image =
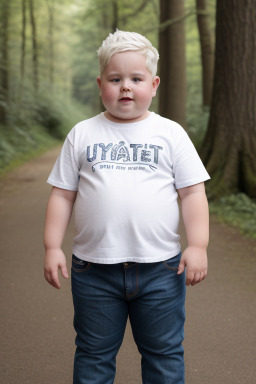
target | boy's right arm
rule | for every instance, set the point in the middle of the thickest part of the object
(58, 213)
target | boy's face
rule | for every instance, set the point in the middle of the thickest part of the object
(127, 87)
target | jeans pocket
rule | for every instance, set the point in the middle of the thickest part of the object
(79, 265)
(173, 263)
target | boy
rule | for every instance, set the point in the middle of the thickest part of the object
(125, 168)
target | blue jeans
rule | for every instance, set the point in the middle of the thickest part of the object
(152, 295)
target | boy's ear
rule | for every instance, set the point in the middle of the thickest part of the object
(155, 85)
(99, 81)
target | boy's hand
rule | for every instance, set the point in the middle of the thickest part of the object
(195, 259)
(53, 261)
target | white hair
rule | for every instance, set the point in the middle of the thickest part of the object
(122, 41)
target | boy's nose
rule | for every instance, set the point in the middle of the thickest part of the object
(125, 87)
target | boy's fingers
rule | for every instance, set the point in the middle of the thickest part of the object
(47, 276)
(189, 278)
(55, 279)
(196, 279)
(51, 274)
(64, 271)
(181, 268)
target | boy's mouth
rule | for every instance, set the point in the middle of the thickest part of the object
(125, 99)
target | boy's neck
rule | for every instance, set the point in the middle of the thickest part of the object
(126, 121)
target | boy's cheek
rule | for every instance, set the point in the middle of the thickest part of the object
(107, 95)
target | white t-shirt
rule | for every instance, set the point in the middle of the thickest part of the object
(126, 176)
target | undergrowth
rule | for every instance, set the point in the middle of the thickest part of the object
(18, 146)
(35, 126)
(237, 210)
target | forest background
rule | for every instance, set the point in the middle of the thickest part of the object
(49, 65)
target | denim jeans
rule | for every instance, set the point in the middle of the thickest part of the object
(152, 295)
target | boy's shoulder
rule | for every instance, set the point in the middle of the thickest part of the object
(172, 126)
(83, 126)
(90, 121)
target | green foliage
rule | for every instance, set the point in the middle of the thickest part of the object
(39, 128)
(56, 114)
(237, 210)
(17, 145)
(36, 116)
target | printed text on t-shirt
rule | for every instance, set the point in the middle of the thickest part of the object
(131, 156)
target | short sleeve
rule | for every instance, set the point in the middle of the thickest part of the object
(65, 173)
(188, 167)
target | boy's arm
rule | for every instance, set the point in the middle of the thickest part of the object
(195, 214)
(58, 213)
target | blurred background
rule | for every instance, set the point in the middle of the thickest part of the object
(48, 69)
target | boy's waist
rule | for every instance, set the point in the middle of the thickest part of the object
(128, 257)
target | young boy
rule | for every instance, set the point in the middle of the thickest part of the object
(125, 168)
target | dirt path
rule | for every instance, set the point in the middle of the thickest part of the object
(37, 338)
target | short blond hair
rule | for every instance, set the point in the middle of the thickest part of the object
(122, 41)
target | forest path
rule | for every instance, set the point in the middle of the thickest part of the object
(37, 337)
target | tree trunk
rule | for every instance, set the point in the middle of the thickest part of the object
(23, 40)
(229, 149)
(22, 55)
(4, 67)
(207, 51)
(34, 45)
(115, 16)
(133, 12)
(50, 5)
(172, 64)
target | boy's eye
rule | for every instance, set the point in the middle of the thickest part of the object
(115, 80)
(136, 79)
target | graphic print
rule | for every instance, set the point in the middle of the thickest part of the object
(123, 156)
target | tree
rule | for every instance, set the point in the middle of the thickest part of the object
(50, 6)
(115, 16)
(229, 148)
(172, 64)
(34, 44)
(207, 51)
(4, 67)
(23, 39)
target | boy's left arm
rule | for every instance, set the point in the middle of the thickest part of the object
(195, 214)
